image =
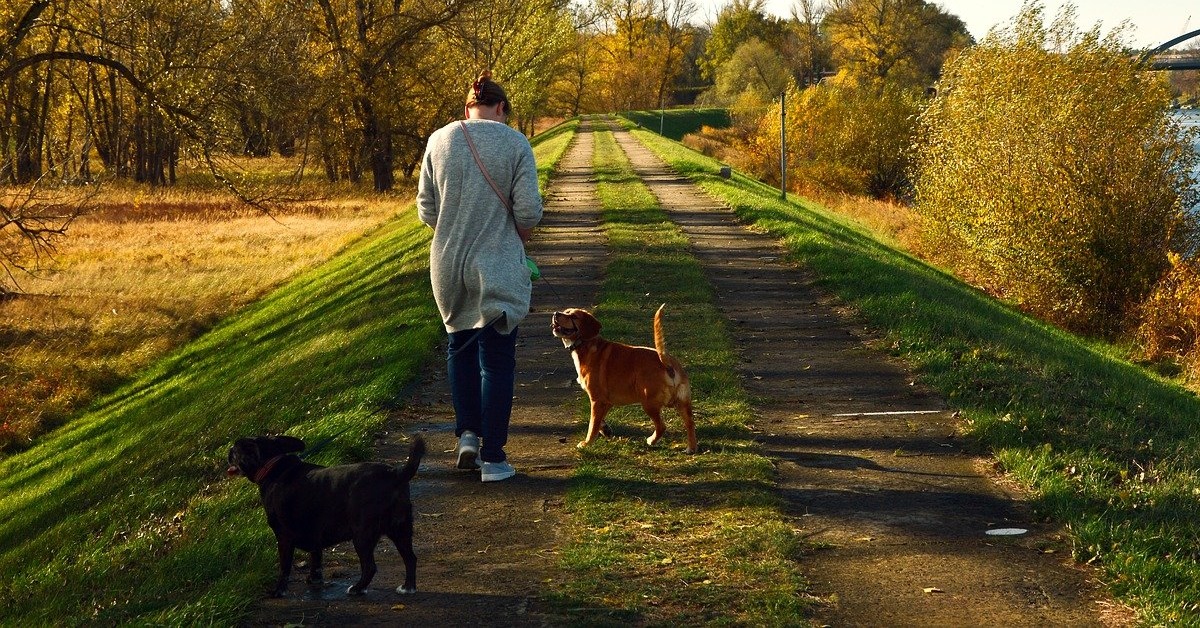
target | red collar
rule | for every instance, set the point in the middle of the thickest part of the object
(266, 468)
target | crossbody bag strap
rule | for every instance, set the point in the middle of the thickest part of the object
(534, 273)
(479, 162)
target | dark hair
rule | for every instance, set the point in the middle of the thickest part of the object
(484, 91)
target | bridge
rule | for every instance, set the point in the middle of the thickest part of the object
(1162, 58)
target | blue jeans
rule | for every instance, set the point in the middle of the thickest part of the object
(482, 374)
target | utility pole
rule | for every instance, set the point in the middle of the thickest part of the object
(783, 145)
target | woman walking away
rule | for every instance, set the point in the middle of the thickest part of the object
(479, 192)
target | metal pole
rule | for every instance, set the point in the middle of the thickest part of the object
(783, 145)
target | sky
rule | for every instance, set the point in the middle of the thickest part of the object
(1155, 21)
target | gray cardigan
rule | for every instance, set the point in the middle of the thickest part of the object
(477, 260)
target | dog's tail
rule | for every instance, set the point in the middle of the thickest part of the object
(660, 343)
(416, 451)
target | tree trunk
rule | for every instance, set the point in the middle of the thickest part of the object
(377, 146)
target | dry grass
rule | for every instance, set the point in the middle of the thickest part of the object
(141, 274)
(892, 222)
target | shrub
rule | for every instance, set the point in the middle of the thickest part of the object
(846, 137)
(1170, 320)
(1055, 175)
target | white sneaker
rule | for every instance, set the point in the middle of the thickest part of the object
(496, 471)
(467, 452)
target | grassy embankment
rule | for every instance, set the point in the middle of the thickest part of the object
(676, 123)
(124, 514)
(656, 535)
(1109, 449)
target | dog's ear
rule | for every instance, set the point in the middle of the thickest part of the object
(287, 444)
(589, 326)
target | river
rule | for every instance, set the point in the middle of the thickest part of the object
(1190, 119)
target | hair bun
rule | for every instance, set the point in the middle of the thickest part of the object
(486, 91)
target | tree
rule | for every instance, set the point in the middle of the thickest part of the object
(752, 77)
(131, 80)
(738, 22)
(901, 41)
(573, 83)
(364, 42)
(522, 42)
(1051, 172)
(643, 44)
(807, 45)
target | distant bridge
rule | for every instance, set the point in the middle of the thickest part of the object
(1161, 58)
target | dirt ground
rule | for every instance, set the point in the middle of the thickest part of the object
(875, 477)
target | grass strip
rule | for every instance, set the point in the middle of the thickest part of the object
(124, 516)
(659, 536)
(1109, 449)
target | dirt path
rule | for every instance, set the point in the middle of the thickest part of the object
(895, 504)
(869, 462)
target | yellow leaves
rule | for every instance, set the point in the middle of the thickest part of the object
(1060, 174)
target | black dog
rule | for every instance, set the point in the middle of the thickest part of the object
(311, 507)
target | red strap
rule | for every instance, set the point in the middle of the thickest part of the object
(266, 469)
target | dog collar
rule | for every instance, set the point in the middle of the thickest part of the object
(578, 344)
(267, 468)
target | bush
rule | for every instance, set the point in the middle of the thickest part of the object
(738, 145)
(1170, 321)
(1056, 177)
(848, 138)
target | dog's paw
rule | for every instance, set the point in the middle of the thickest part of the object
(652, 439)
(582, 444)
(356, 590)
(405, 589)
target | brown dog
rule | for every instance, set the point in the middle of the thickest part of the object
(615, 374)
(311, 507)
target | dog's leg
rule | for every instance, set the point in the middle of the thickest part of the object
(596, 426)
(366, 562)
(660, 428)
(685, 412)
(402, 535)
(316, 571)
(286, 554)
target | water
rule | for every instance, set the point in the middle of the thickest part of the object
(1190, 120)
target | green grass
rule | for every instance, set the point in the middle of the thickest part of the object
(125, 516)
(549, 146)
(1110, 450)
(656, 535)
(675, 123)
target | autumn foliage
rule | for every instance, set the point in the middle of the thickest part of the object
(1050, 172)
